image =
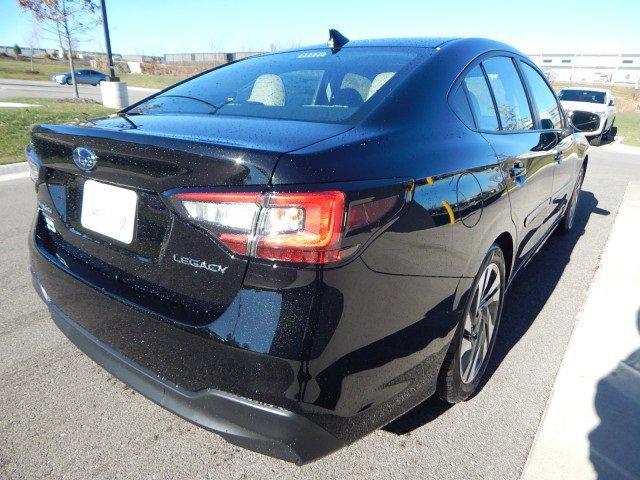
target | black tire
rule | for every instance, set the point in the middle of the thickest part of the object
(452, 387)
(69, 82)
(568, 218)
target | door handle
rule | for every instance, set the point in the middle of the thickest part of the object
(518, 173)
(518, 170)
(557, 156)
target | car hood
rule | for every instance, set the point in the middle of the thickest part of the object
(583, 106)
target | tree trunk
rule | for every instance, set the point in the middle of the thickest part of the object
(67, 37)
(73, 73)
(31, 59)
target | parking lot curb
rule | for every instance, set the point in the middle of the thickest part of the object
(591, 423)
(14, 168)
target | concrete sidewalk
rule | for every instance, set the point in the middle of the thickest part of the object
(591, 428)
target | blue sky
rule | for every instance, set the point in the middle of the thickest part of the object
(156, 26)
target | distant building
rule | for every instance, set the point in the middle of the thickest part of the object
(621, 68)
(26, 51)
(211, 58)
(142, 58)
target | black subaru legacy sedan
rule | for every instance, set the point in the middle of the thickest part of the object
(295, 249)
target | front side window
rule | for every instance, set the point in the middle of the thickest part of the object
(509, 93)
(480, 100)
(312, 85)
(543, 98)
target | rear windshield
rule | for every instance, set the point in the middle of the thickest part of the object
(582, 96)
(312, 85)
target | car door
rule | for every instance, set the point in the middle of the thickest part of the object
(80, 77)
(547, 109)
(93, 76)
(502, 109)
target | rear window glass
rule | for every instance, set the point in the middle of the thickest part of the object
(312, 85)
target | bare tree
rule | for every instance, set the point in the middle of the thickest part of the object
(67, 20)
(33, 39)
(217, 45)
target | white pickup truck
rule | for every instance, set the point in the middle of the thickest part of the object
(591, 110)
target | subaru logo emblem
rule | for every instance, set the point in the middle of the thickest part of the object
(85, 158)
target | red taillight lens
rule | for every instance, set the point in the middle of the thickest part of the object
(301, 227)
(367, 213)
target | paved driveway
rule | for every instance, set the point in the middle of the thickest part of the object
(63, 416)
(50, 89)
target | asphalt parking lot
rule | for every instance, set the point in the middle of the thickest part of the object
(62, 416)
(50, 89)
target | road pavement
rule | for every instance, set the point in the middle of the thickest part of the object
(50, 89)
(63, 416)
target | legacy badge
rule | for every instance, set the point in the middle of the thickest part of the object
(192, 262)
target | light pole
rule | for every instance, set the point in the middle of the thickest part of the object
(114, 92)
(105, 25)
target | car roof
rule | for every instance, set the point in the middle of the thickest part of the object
(415, 42)
(423, 42)
(472, 44)
(587, 89)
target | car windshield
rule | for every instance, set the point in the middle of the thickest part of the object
(582, 96)
(311, 85)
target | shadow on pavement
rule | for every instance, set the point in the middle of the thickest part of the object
(615, 442)
(523, 303)
(522, 306)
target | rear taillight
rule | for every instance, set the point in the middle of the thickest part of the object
(33, 162)
(230, 216)
(298, 227)
(301, 227)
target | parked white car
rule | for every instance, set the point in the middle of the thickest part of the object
(592, 111)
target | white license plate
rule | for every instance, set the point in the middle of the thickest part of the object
(109, 210)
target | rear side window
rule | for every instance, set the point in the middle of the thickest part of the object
(480, 99)
(543, 97)
(509, 93)
(460, 104)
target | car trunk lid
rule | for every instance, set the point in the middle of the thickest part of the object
(170, 266)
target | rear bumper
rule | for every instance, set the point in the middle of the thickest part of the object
(263, 428)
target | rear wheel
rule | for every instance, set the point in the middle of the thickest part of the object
(566, 224)
(470, 350)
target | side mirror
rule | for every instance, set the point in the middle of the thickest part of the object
(546, 124)
(611, 104)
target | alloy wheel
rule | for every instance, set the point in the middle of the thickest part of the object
(480, 323)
